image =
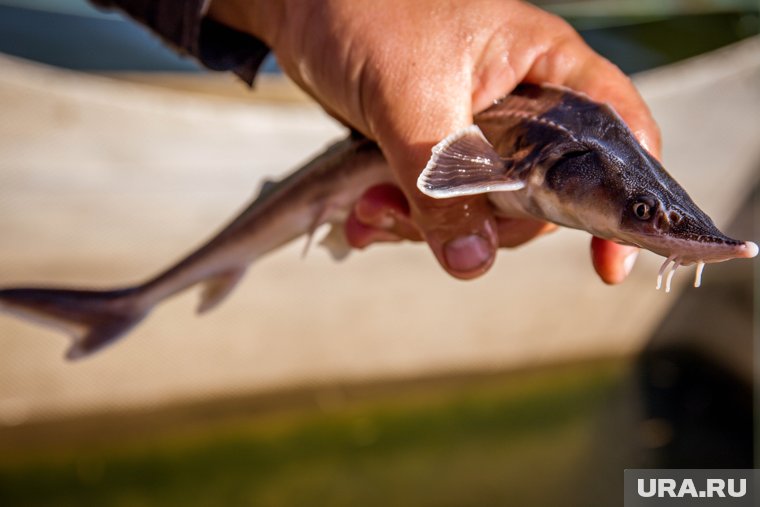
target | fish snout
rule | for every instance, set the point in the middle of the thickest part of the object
(690, 237)
(747, 250)
(693, 237)
(709, 248)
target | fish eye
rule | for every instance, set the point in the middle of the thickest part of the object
(642, 210)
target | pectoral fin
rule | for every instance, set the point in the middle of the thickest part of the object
(465, 163)
(336, 242)
(217, 288)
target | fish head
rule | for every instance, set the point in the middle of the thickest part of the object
(613, 187)
(658, 214)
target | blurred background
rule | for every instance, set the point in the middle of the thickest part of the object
(377, 381)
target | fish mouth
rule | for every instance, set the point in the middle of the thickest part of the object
(702, 248)
(700, 251)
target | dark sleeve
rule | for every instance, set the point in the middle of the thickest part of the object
(182, 24)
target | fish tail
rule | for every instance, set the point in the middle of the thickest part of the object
(93, 319)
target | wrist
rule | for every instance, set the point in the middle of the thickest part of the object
(260, 18)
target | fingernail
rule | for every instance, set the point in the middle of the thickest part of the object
(629, 261)
(467, 253)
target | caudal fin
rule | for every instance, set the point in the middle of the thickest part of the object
(93, 319)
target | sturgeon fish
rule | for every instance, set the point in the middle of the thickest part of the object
(541, 152)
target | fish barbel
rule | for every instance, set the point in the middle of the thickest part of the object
(542, 152)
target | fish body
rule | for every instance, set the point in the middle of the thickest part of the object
(541, 152)
(320, 192)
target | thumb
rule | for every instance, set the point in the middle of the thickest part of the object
(461, 232)
(407, 121)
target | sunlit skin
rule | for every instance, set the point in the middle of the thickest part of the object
(407, 74)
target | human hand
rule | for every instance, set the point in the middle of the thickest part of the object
(407, 74)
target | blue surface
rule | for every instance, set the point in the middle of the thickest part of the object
(85, 43)
(72, 34)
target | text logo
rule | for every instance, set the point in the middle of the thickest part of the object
(670, 488)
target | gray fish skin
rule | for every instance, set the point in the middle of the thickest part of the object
(321, 192)
(543, 152)
(602, 164)
(550, 153)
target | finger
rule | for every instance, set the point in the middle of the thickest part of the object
(361, 236)
(461, 232)
(385, 207)
(612, 262)
(369, 223)
(514, 232)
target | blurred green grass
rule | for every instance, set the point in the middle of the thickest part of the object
(642, 43)
(510, 439)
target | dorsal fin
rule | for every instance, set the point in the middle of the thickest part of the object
(465, 163)
(267, 185)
